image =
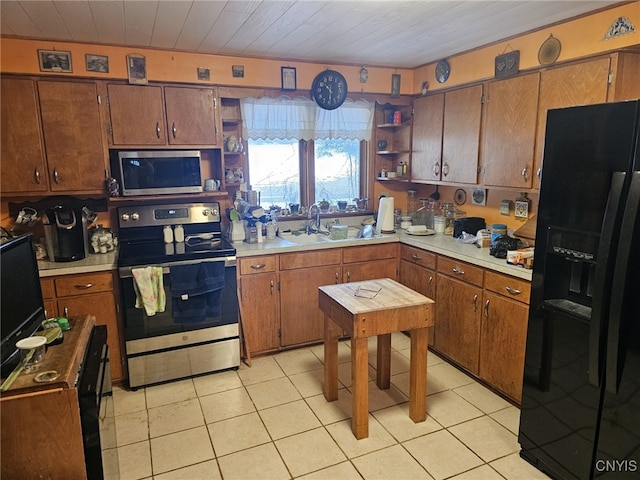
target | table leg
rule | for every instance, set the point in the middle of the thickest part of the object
(331, 334)
(360, 388)
(418, 375)
(383, 363)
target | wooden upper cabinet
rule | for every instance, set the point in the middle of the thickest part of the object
(509, 131)
(156, 115)
(461, 137)
(76, 151)
(428, 119)
(191, 118)
(582, 83)
(137, 115)
(23, 161)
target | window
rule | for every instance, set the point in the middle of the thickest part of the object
(299, 153)
(275, 171)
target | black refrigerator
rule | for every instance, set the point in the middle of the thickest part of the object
(580, 414)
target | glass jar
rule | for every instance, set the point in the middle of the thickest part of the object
(448, 212)
(412, 203)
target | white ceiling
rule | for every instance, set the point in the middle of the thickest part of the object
(384, 33)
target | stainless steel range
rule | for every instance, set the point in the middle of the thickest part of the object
(179, 301)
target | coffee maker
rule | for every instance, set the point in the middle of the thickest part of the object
(65, 231)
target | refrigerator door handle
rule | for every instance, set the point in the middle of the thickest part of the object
(615, 353)
(602, 281)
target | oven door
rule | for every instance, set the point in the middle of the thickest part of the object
(138, 325)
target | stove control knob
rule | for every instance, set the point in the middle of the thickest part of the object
(206, 212)
(135, 216)
(125, 217)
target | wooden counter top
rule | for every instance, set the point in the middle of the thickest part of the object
(65, 358)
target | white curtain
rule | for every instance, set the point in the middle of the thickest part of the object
(285, 118)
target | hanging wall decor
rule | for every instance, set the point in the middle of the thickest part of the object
(237, 71)
(137, 69)
(97, 63)
(507, 64)
(549, 51)
(621, 26)
(55, 61)
(395, 85)
(204, 74)
(288, 78)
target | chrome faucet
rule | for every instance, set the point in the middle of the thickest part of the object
(314, 225)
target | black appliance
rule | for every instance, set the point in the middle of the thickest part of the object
(65, 230)
(182, 339)
(581, 395)
(21, 306)
(471, 225)
(96, 409)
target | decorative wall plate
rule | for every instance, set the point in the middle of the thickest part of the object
(460, 197)
(479, 196)
(549, 51)
(443, 69)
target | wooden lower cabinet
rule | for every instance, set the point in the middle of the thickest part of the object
(301, 319)
(417, 271)
(279, 293)
(504, 333)
(88, 294)
(457, 323)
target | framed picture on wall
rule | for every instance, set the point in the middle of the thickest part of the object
(55, 61)
(97, 63)
(137, 69)
(288, 77)
(395, 85)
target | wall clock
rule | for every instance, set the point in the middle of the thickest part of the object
(443, 69)
(329, 89)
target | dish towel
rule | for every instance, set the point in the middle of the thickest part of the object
(149, 287)
(196, 291)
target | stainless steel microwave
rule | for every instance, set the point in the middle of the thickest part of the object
(160, 172)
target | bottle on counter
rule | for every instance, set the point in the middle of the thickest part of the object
(412, 202)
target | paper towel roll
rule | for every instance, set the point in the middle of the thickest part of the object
(384, 223)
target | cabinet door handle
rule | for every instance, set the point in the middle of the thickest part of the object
(525, 172)
(457, 272)
(56, 177)
(271, 287)
(174, 129)
(337, 278)
(348, 277)
(486, 309)
(416, 257)
(430, 280)
(83, 286)
(65, 310)
(258, 266)
(475, 303)
(36, 175)
(513, 291)
(436, 169)
(158, 129)
(445, 169)
(539, 172)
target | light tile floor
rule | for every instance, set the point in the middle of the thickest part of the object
(271, 421)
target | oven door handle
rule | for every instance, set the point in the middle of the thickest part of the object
(125, 272)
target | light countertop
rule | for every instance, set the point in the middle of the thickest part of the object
(438, 243)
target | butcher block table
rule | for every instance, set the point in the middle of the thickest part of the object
(375, 307)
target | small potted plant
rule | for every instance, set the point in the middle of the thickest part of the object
(324, 205)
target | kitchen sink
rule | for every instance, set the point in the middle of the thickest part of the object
(307, 238)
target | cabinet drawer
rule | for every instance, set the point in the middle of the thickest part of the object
(48, 289)
(418, 256)
(72, 285)
(369, 252)
(461, 270)
(315, 258)
(262, 264)
(511, 287)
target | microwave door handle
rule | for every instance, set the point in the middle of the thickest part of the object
(158, 129)
(619, 294)
(602, 281)
(174, 130)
